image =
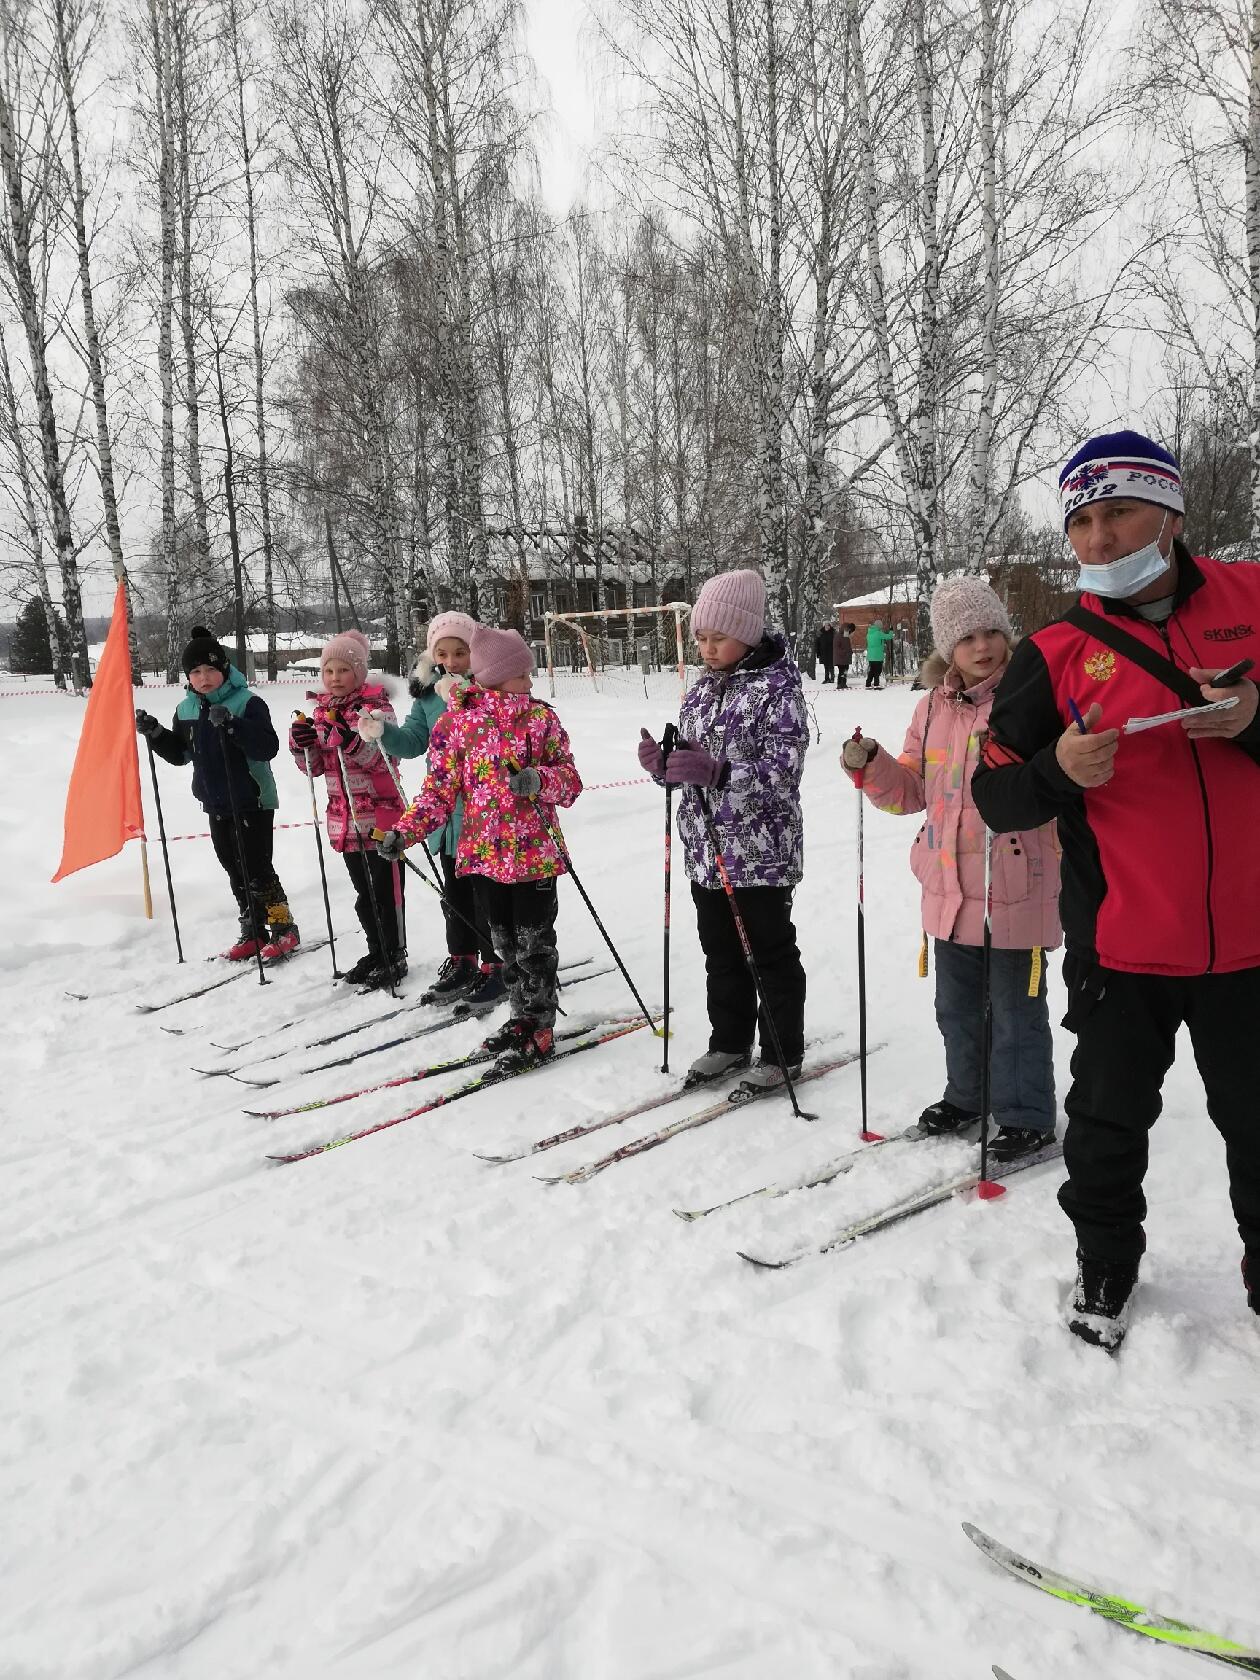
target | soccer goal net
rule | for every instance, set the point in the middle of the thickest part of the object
(624, 650)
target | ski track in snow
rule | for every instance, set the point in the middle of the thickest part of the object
(393, 1412)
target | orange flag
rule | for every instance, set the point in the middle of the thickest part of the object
(103, 807)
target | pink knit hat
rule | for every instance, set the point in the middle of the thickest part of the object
(962, 605)
(351, 647)
(449, 624)
(498, 655)
(732, 604)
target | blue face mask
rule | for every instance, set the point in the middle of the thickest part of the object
(1124, 578)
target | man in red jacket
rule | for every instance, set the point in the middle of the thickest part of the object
(1161, 890)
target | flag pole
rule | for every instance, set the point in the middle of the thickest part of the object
(144, 875)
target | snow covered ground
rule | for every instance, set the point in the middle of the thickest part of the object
(393, 1412)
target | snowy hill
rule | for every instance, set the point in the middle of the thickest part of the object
(395, 1413)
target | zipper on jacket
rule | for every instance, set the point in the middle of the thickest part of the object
(1207, 823)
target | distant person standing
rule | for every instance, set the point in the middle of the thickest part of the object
(842, 652)
(824, 648)
(878, 642)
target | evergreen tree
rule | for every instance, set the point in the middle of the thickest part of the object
(30, 649)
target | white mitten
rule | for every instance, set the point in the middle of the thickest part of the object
(445, 686)
(371, 726)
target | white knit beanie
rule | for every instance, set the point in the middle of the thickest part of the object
(960, 607)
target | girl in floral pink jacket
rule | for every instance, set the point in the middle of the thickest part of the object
(972, 633)
(361, 797)
(507, 755)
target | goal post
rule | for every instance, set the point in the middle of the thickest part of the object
(578, 622)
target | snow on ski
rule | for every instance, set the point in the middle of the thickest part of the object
(239, 972)
(451, 1020)
(661, 1100)
(825, 1175)
(434, 1070)
(919, 1202)
(727, 1105)
(1119, 1610)
(484, 1081)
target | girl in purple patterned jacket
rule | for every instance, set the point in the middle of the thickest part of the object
(741, 749)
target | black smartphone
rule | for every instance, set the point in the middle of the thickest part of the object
(1235, 674)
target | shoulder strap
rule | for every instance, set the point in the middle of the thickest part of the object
(1122, 642)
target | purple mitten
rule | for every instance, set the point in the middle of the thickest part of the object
(694, 766)
(650, 755)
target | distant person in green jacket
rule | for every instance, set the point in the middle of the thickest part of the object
(472, 971)
(878, 642)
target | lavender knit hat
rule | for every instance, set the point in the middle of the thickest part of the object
(498, 655)
(351, 647)
(732, 604)
(961, 606)
(449, 624)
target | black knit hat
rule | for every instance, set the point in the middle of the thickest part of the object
(204, 649)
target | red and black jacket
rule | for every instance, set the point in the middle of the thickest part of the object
(1160, 869)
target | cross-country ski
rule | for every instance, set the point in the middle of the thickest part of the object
(1136, 1617)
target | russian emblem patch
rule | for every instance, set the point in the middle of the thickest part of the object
(1100, 666)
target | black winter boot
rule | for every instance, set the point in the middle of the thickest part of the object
(1013, 1142)
(940, 1118)
(1251, 1280)
(1099, 1309)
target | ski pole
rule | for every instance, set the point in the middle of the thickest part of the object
(669, 740)
(319, 850)
(859, 777)
(986, 1188)
(240, 855)
(166, 856)
(749, 959)
(368, 882)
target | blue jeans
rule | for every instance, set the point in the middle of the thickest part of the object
(1021, 1068)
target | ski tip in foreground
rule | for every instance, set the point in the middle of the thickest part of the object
(1000, 1673)
(761, 1263)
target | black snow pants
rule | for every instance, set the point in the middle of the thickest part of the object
(260, 884)
(373, 878)
(732, 997)
(1126, 1027)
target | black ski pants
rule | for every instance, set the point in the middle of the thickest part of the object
(257, 841)
(373, 879)
(829, 668)
(1126, 1028)
(521, 916)
(732, 996)
(874, 671)
(466, 932)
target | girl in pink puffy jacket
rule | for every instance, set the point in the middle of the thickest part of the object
(361, 797)
(972, 633)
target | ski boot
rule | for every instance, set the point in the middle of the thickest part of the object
(485, 994)
(283, 941)
(939, 1119)
(358, 973)
(386, 972)
(715, 1064)
(1012, 1143)
(456, 976)
(1099, 1309)
(246, 945)
(533, 1046)
(764, 1078)
(508, 1036)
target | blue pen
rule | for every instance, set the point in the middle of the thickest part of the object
(1077, 719)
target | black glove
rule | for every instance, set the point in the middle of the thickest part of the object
(525, 783)
(148, 726)
(391, 846)
(220, 717)
(303, 735)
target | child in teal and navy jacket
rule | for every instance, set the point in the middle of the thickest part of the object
(225, 730)
(472, 970)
